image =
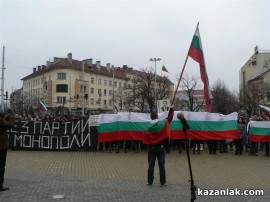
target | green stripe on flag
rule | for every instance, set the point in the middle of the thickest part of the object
(259, 131)
(175, 125)
(196, 43)
(122, 125)
(206, 125)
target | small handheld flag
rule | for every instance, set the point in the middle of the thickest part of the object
(42, 107)
(265, 109)
(164, 69)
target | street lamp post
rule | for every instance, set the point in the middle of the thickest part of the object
(113, 89)
(155, 60)
(83, 93)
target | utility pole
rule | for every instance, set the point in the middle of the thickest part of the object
(113, 89)
(3, 79)
(83, 93)
(155, 60)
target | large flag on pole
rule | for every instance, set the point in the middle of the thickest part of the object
(42, 107)
(196, 53)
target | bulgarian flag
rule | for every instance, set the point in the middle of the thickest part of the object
(42, 107)
(259, 131)
(164, 69)
(265, 109)
(134, 126)
(157, 131)
(206, 126)
(196, 53)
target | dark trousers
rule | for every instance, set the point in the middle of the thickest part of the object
(222, 146)
(253, 148)
(159, 153)
(238, 146)
(212, 145)
(136, 145)
(3, 157)
(267, 148)
(182, 145)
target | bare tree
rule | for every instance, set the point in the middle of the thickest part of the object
(253, 95)
(189, 84)
(224, 101)
(142, 90)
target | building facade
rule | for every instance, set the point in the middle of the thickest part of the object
(78, 85)
(258, 63)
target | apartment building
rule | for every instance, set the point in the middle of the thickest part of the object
(257, 64)
(78, 85)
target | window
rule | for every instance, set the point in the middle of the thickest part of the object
(110, 83)
(92, 101)
(105, 103)
(99, 91)
(115, 84)
(110, 102)
(61, 88)
(83, 88)
(99, 101)
(120, 84)
(61, 100)
(61, 75)
(92, 80)
(105, 92)
(105, 82)
(125, 85)
(99, 81)
(110, 92)
(92, 91)
(43, 80)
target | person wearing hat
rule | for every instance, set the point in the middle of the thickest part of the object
(6, 122)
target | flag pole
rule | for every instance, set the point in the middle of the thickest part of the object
(183, 69)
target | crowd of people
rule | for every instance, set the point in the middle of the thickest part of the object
(196, 146)
(238, 146)
(156, 141)
(214, 146)
(47, 117)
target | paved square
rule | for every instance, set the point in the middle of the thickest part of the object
(103, 176)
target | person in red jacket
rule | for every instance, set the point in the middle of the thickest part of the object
(157, 138)
(6, 122)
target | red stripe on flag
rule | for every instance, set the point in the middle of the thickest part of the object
(120, 135)
(259, 138)
(196, 54)
(205, 135)
(175, 135)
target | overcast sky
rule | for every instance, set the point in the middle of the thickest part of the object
(132, 32)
